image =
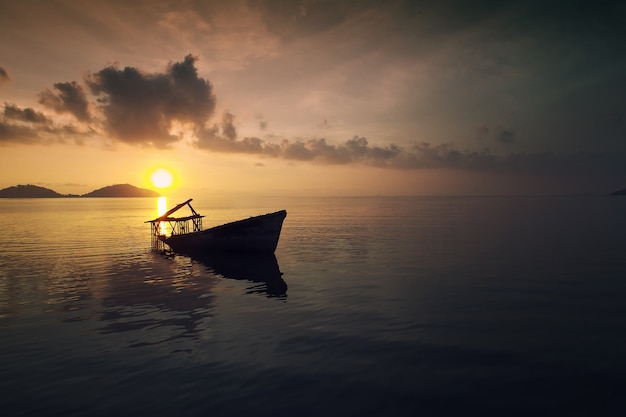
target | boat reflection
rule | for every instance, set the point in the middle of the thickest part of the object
(258, 268)
(150, 300)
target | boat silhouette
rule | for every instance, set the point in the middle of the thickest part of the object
(257, 234)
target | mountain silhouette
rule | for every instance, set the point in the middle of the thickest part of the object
(28, 191)
(118, 190)
(122, 190)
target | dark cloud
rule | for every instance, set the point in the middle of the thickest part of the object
(30, 134)
(228, 126)
(418, 156)
(425, 155)
(28, 115)
(134, 107)
(355, 150)
(315, 149)
(262, 122)
(223, 138)
(4, 76)
(68, 98)
(499, 135)
(10, 133)
(29, 127)
(139, 108)
(505, 136)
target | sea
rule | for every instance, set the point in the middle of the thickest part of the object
(371, 306)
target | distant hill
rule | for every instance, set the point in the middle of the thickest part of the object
(620, 192)
(28, 191)
(122, 190)
(118, 190)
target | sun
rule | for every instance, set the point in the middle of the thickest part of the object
(162, 178)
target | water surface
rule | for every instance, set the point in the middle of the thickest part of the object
(385, 306)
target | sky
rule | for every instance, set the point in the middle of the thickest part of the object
(315, 97)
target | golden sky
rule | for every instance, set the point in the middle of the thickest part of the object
(315, 97)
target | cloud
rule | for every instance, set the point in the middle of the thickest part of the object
(126, 104)
(139, 108)
(10, 133)
(418, 156)
(500, 135)
(222, 137)
(357, 150)
(262, 122)
(27, 126)
(4, 76)
(69, 98)
(28, 115)
(142, 108)
(505, 136)
(228, 126)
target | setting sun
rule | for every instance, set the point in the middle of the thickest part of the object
(161, 178)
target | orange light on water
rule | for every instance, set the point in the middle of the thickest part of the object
(161, 209)
(161, 205)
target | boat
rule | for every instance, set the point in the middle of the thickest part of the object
(258, 234)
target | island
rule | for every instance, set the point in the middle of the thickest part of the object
(28, 191)
(122, 190)
(620, 192)
(118, 190)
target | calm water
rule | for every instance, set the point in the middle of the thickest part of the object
(386, 306)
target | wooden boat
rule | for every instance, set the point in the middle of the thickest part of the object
(257, 234)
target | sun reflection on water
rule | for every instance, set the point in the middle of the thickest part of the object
(161, 209)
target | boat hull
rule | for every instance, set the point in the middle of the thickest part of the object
(258, 234)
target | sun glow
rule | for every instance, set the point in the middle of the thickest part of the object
(162, 178)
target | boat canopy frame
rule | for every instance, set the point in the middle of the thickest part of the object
(178, 225)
